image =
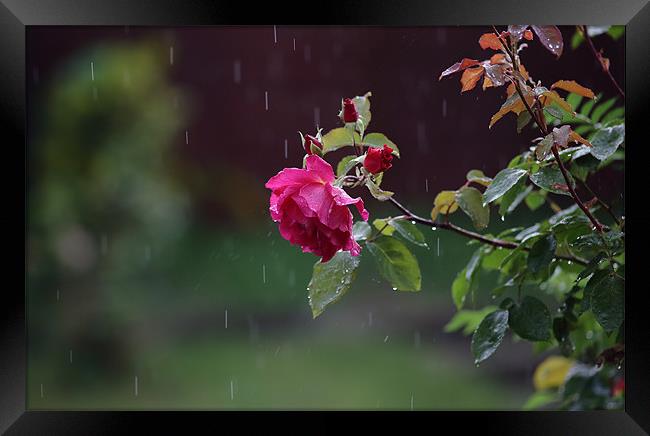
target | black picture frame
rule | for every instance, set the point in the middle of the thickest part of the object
(16, 16)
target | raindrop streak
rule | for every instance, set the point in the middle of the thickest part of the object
(411, 402)
(171, 55)
(294, 44)
(437, 245)
(41, 390)
(225, 318)
(277, 350)
(275, 35)
(369, 319)
(286, 148)
(266, 100)
(70, 356)
(187, 137)
(232, 390)
(136, 385)
(263, 273)
(386, 339)
(92, 71)
(426, 185)
(317, 116)
(236, 71)
(444, 108)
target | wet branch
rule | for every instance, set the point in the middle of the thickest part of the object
(601, 61)
(500, 243)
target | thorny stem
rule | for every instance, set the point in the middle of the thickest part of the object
(599, 58)
(500, 243)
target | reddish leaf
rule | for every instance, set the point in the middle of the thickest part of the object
(470, 77)
(560, 187)
(573, 86)
(561, 135)
(498, 58)
(528, 35)
(577, 138)
(490, 40)
(517, 30)
(459, 66)
(551, 38)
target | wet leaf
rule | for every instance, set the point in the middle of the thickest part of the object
(607, 302)
(550, 178)
(561, 135)
(477, 176)
(544, 147)
(551, 38)
(489, 335)
(409, 231)
(377, 192)
(444, 203)
(339, 137)
(517, 30)
(552, 372)
(574, 87)
(467, 320)
(396, 263)
(361, 231)
(378, 140)
(470, 201)
(459, 66)
(470, 78)
(512, 104)
(541, 254)
(384, 226)
(606, 140)
(531, 319)
(347, 163)
(501, 183)
(331, 280)
(514, 197)
(490, 40)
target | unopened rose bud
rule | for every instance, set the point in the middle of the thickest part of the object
(311, 144)
(378, 159)
(350, 114)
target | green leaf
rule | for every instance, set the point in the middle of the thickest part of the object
(591, 266)
(606, 140)
(514, 197)
(396, 263)
(503, 181)
(384, 226)
(531, 319)
(361, 231)
(477, 176)
(489, 335)
(377, 192)
(470, 201)
(347, 163)
(607, 302)
(550, 179)
(460, 289)
(468, 320)
(338, 138)
(540, 399)
(600, 110)
(535, 199)
(544, 147)
(541, 254)
(522, 120)
(378, 140)
(331, 280)
(409, 231)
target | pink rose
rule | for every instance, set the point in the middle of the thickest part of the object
(312, 213)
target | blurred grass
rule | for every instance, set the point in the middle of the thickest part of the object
(301, 374)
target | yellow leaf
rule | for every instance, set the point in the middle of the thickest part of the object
(434, 213)
(577, 138)
(551, 372)
(573, 86)
(555, 97)
(445, 203)
(487, 83)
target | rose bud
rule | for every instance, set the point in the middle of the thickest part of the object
(311, 212)
(350, 114)
(378, 159)
(312, 143)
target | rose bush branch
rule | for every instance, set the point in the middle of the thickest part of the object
(602, 61)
